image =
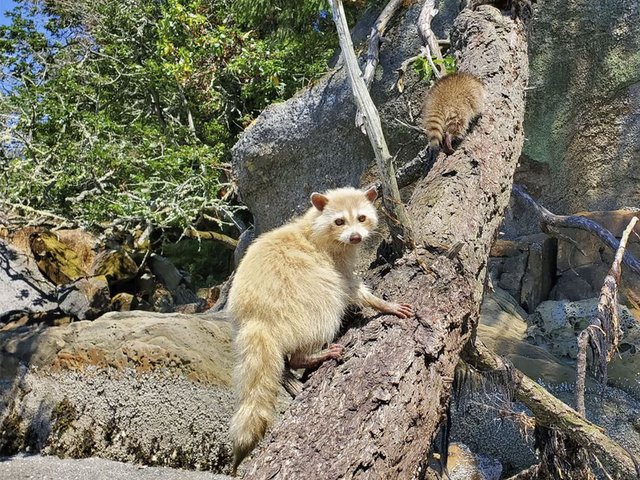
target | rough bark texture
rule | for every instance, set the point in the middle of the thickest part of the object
(374, 415)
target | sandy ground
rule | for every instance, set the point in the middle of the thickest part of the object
(37, 467)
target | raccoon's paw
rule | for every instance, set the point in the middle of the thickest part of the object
(401, 310)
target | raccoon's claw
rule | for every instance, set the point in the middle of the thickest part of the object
(334, 351)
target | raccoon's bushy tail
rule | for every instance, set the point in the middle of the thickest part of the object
(257, 376)
(434, 125)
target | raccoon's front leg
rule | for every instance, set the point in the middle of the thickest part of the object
(400, 310)
(306, 360)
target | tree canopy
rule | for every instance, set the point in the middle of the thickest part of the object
(129, 109)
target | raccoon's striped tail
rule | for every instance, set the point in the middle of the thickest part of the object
(257, 378)
(434, 126)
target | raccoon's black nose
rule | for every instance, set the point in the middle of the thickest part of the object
(355, 238)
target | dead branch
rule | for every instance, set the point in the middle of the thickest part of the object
(551, 413)
(396, 216)
(548, 219)
(604, 332)
(373, 52)
(430, 45)
(229, 242)
(429, 40)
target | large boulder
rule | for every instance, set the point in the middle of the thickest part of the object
(134, 386)
(310, 142)
(581, 124)
(23, 289)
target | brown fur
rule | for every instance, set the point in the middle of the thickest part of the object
(450, 106)
(288, 298)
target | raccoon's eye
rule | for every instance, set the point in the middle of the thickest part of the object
(339, 221)
(362, 218)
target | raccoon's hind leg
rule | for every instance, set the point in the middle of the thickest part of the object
(306, 360)
(446, 144)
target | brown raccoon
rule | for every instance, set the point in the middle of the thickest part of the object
(451, 104)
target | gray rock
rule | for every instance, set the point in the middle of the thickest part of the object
(133, 386)
(166, 271)
(23, 289)
(513, 270)
(175, 282)
(556, 324)
(573, 286)
(310, 142)
(86, 298)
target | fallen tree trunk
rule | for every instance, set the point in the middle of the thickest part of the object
(552, 413)
(375, 414)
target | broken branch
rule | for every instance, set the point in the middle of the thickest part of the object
(429, 40)
(229, 242)
(604, 331)
(575, 221)
(397, 219)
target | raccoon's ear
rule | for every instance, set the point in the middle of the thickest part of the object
(319, 201)
(371, 193)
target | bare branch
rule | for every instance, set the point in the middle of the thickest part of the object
(574, 221)
(373, 52)
(604, 332)
(229, 242)
(396, 217)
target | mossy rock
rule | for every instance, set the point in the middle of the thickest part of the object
(56, 261)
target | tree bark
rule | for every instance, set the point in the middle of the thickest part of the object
(375, 413)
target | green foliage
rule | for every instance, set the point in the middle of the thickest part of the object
(424, 70)
(129, 109)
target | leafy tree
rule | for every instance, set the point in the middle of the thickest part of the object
(128, 109)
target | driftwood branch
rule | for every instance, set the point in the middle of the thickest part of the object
(375, 413)
(373, 52)
(548, 219)
(604, 332)
(429, 40)
(396, 217)
(430, 45)
(229, 242)
(551, 413)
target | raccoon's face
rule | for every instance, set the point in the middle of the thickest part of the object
(348, 215)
